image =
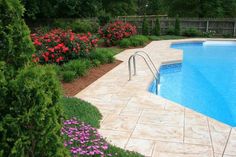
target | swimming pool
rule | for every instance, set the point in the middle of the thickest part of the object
(205, 81)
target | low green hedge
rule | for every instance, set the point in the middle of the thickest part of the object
(133, 41)
(68, 76)
(125, 43)
(77, 25)
(102, 55)
(80, 67)
(191, 32)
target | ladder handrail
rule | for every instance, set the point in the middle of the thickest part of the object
(144, 52)
(157, 77)
(147, 64)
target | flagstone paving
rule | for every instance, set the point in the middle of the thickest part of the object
(137, 120)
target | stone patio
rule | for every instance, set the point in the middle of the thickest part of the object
(137, 120)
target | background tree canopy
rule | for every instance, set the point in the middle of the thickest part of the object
(91, 8)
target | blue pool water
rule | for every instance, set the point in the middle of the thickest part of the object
(205, 81)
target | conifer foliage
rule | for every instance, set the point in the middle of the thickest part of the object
(177, 26)
(29, 112)
(15, 43)
(145, 28)
(157, 28)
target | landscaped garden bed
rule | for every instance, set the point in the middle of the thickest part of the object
(74, 87)
(80, 131)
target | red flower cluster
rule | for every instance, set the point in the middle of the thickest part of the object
(59, 46)
(116, 31)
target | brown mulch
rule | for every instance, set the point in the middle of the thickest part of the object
(71, 89)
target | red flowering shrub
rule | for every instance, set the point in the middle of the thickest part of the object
(116, 31)
(59, 46)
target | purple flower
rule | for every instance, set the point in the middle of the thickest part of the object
(83, 139)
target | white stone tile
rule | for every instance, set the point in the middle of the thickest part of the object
(142, 146)
(157, 132)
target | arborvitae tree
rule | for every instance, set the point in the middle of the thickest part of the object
(157, 28)
(145, 28)
(177, 26)
(30, 118)
(15, 44)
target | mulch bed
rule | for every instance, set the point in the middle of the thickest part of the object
(71, 89)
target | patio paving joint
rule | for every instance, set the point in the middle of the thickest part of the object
(210, 137)
(184, 125)
(227, 142)
(133, 130)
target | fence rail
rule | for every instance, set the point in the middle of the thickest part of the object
(222, 26)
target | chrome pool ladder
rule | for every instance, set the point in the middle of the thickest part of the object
(149, 63)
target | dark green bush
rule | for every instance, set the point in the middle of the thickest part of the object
(77, 25)
(42, 29)
(68, 76)
(30, 119)
(145, 28)
(104, 18)
(209, 34)
(228, 35)
(84, 26)
(157, 28)
(125, 43)
(138, 40)
(102, 55)
(80, 67)
(177, 26)
(133, 41)
(170, 31)
(191, 32)
(96, 62)
(60, 23)
(15, 43)
(30, 116)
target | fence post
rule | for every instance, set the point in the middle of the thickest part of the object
(234, 34)
(207, 26)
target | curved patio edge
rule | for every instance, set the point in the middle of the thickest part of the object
(137, 120)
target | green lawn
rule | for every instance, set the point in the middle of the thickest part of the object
(86, 112)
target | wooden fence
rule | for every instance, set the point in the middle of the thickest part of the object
(220, 26)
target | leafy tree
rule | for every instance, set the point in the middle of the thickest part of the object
(156, 7)
(30, 118)
(142, 7)
(200, 8)
(229, 8)
(91, 8)
(120, 7)
(40, 8)
(182, 8)
(67, 8)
